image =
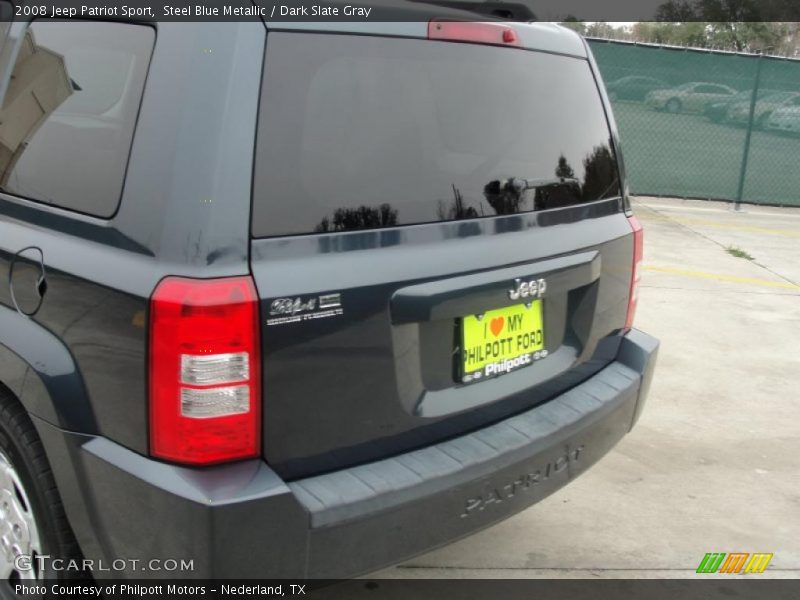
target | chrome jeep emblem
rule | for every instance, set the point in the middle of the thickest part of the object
(527, 289)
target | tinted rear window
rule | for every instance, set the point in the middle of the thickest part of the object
(361, 132)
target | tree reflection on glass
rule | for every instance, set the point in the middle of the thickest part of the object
(456, 210)
(601, 177)
(354, 219)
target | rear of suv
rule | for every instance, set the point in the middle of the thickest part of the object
(304, 300)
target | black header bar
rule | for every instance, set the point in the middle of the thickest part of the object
(398, 10)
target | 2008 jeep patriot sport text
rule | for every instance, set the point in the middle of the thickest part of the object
(310, 303)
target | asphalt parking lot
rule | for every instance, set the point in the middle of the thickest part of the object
(714, 463)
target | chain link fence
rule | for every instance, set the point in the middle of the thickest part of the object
(705, 124)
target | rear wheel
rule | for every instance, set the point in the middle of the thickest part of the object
(673, 105)
(32, 519)
(19, 531)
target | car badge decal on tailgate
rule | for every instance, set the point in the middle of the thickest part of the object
(294, 310)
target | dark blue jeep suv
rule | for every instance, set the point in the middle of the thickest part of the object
(302, 300)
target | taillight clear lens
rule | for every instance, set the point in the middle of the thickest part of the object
(215, 369)
(636, 270)
(215, 402)
(205, 394)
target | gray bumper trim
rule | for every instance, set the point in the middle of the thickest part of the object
(360, 491)
(242, 520)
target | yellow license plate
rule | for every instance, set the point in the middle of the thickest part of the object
(501, 340)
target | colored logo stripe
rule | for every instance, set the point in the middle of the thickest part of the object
(734, 562)
(713, 562)
(758, 562)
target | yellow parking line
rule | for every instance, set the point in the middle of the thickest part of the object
(722, 277)
(720, 225)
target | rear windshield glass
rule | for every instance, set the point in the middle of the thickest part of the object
(360, 132)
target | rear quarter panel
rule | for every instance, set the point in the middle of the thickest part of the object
(184, 211)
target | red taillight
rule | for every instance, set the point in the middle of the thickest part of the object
(468, 31)
(636, 271)
(205, 392)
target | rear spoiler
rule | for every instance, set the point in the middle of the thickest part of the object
(511, 11)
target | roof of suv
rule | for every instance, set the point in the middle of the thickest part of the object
(403, 18)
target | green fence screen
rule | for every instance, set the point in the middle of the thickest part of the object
(688, 117)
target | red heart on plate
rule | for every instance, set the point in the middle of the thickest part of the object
(496, 325)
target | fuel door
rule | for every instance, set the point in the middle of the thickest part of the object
(27, 280)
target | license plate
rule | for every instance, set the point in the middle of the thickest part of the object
(502, 340)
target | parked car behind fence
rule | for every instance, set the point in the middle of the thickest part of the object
(633, 87)
(717, 111)
(739, 113)
(786, 120)
(689, 97)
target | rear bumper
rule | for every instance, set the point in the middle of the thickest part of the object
(242, 520)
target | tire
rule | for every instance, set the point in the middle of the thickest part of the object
(761, 122)
(32, 518)
(673, 106)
